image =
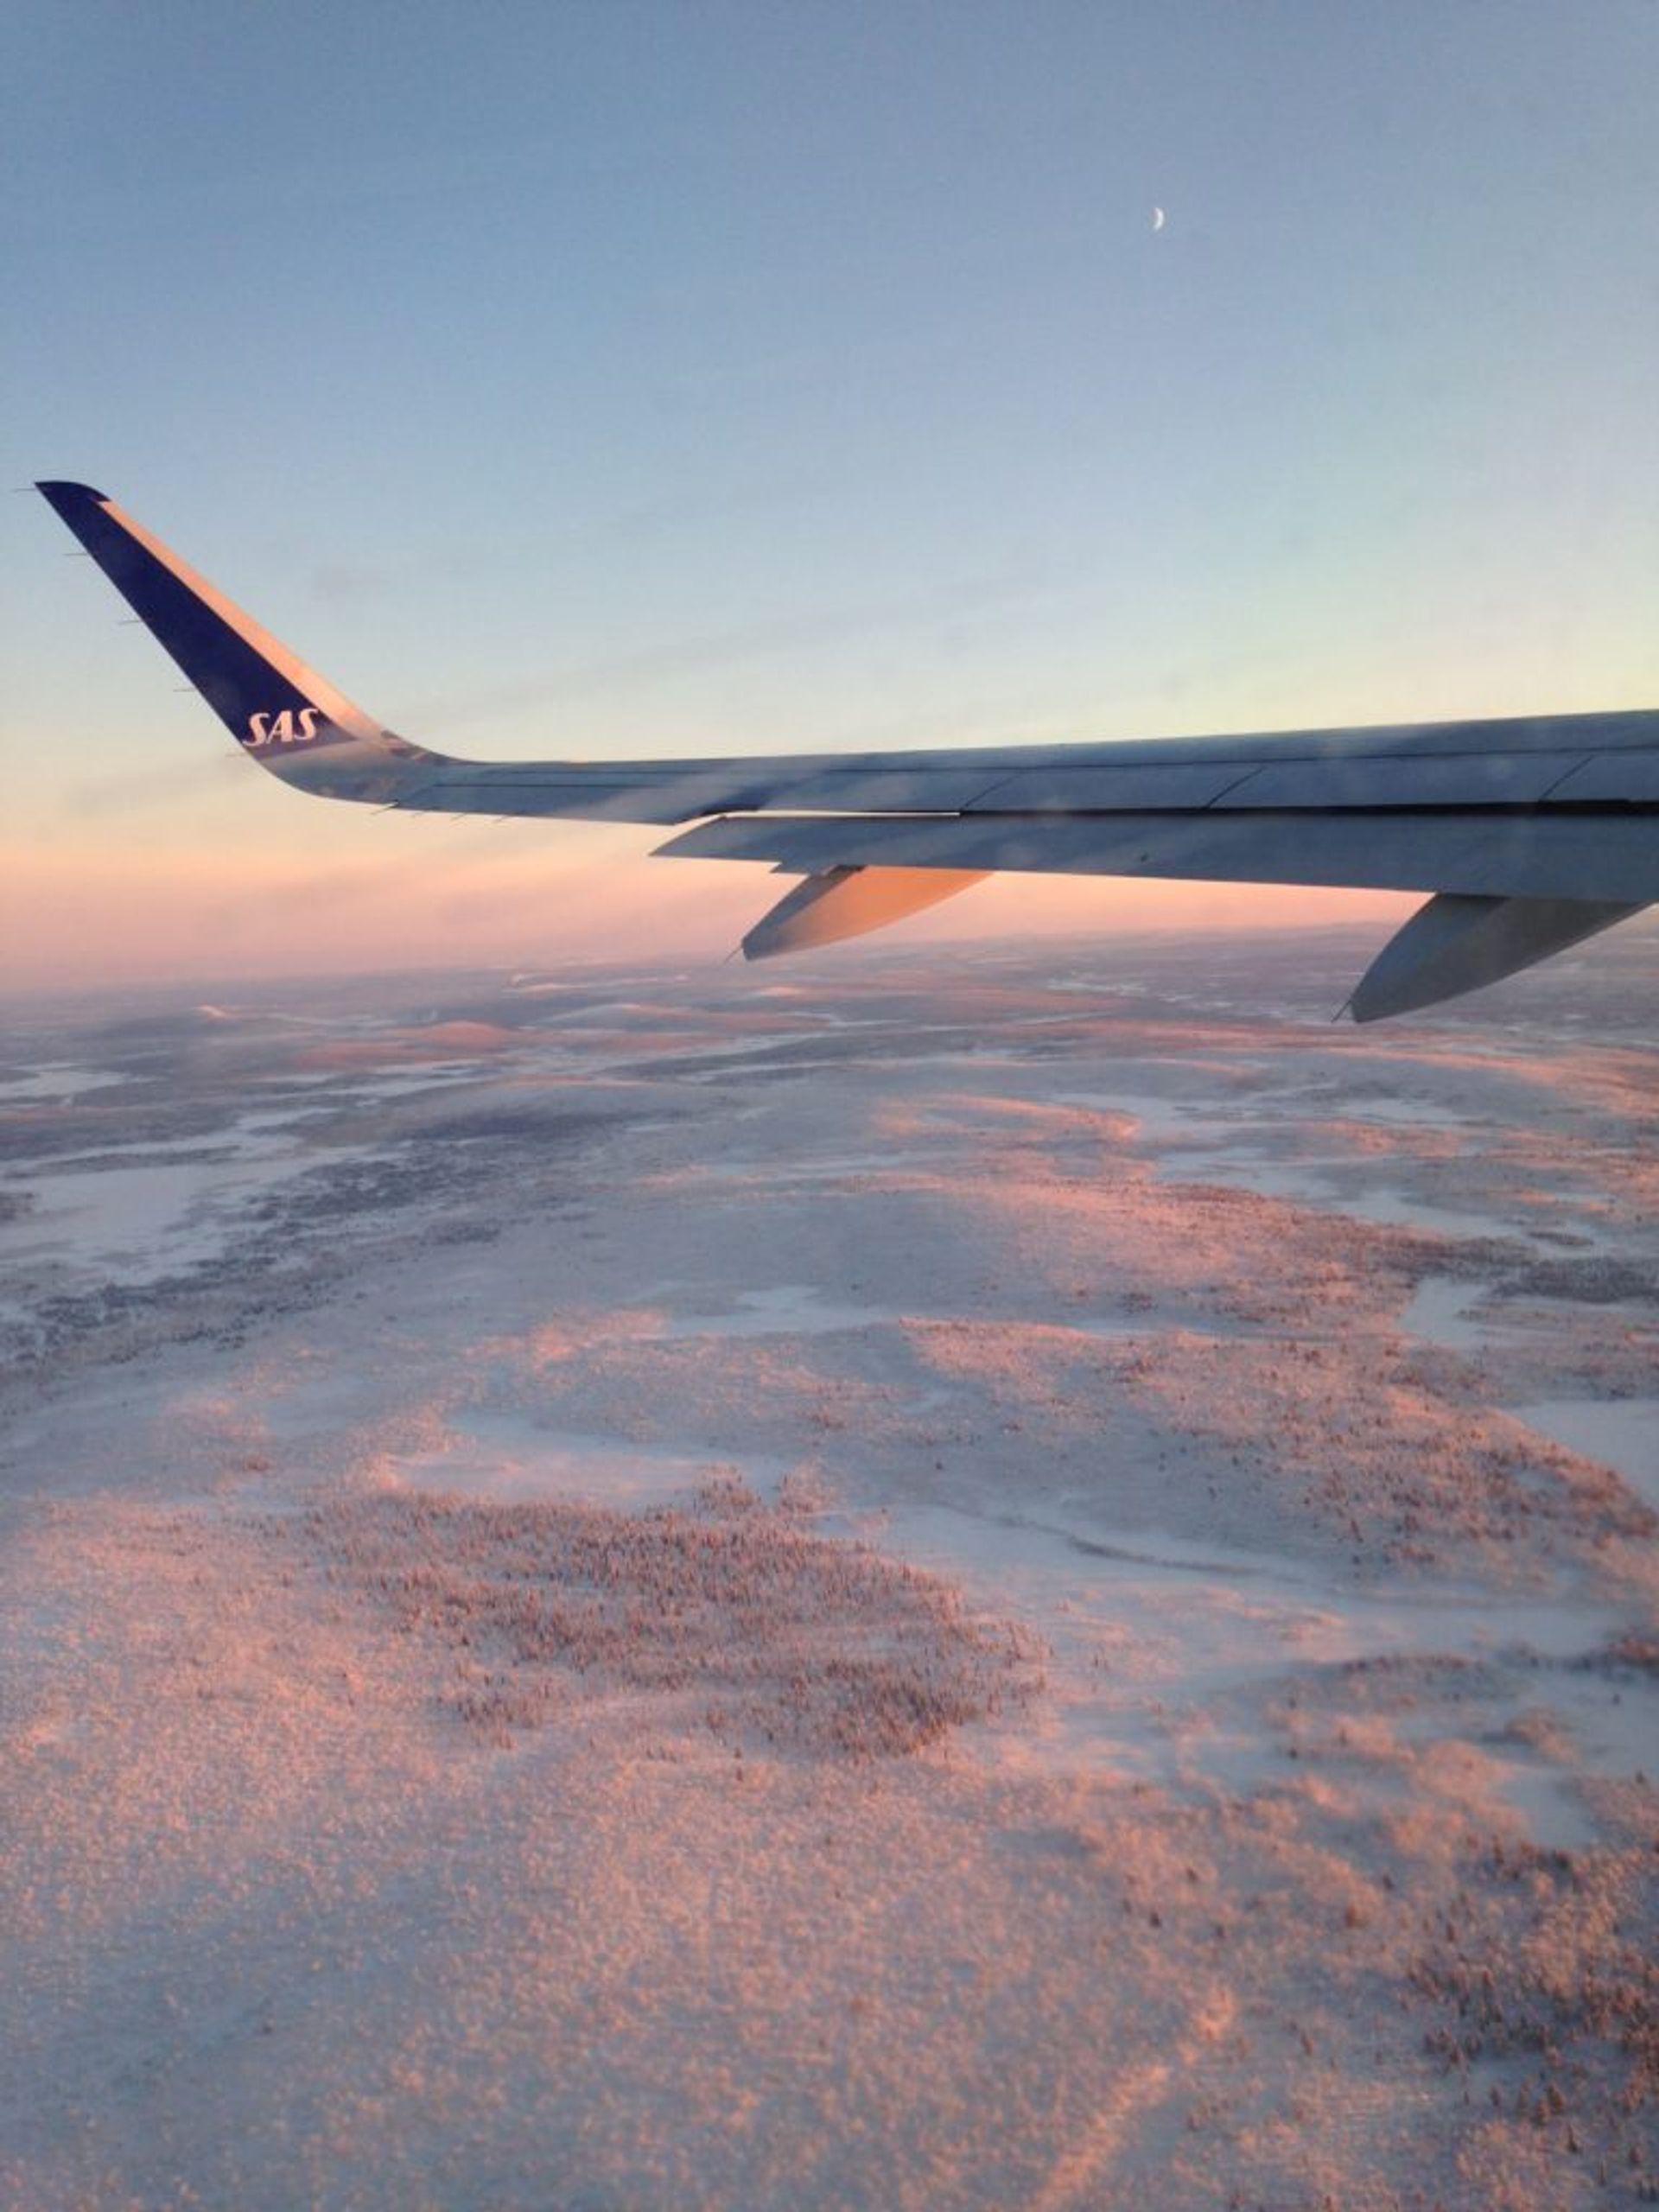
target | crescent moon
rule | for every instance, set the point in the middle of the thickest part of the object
(1157, 218)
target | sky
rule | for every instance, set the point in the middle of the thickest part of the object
(599, 379)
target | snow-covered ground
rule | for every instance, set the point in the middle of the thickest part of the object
(926, 1581)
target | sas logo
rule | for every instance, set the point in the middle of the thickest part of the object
(286, 728)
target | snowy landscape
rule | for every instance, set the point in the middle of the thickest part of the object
(944, 1577)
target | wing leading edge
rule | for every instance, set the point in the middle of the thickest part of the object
(1534, 833)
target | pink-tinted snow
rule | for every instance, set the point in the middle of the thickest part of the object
(947, 1584)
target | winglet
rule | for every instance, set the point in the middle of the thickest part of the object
(292, 720)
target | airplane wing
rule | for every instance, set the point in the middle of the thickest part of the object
(1531, 833)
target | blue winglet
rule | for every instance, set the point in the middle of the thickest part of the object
(293, 721)
(218, 648)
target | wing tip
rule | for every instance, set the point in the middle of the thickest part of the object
(68, 499)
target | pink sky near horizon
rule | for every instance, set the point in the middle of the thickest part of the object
(102, 910)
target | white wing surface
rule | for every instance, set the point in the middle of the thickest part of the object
(1532, 833)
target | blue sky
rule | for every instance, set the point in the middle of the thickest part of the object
(667, 377)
